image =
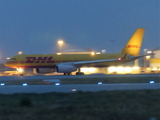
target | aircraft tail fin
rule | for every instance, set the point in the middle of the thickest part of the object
(133, 46)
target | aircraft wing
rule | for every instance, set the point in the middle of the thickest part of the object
(79, 63)
(137, 57)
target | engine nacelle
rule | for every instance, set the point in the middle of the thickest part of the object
(43, 70)
(65, 68)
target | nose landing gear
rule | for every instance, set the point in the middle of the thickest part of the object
(68, 73)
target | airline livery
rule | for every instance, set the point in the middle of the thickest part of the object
(68, 63)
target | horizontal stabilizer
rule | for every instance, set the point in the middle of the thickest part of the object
(137, 57)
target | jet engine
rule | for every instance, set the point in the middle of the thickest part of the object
(65, 68)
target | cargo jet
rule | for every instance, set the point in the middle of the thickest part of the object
(68, 63)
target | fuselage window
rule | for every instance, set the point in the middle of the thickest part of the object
(12, 58)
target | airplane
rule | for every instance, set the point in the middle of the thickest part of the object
(68, 63)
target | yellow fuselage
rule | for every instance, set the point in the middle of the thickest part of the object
(51, 60)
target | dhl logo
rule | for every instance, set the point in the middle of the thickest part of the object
(133, 46)
(39, 60)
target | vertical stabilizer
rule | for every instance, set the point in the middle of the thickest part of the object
(133, 46)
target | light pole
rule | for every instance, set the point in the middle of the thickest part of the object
(60, 44)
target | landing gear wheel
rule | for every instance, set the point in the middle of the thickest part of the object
(67, 73)
(21, 75)
(79, 73)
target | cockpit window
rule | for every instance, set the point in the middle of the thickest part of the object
(12, 59)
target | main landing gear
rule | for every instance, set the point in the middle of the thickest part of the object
(79, 72)
(21, 74)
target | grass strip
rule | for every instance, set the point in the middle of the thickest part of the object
(104, 105)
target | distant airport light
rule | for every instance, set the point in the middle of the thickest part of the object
(112, 69)
(84, 69)
(59, 53)
(57, 84)
(120, 69)
(60, 45)
(60, 42)
(152, 81)
(99, 83)
(91, 69)
(135, 68)
(24, 84)
(154, 69)
(128, 69)
(148, 57)
(20, 52)
(2, 84)
(92, 53)
(20, 70)
(98, 53)
(103, 51)
(149, 51)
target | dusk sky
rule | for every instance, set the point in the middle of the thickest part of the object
(34, 26)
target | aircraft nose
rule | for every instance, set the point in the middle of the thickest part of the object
(10, 63)
(7, 63)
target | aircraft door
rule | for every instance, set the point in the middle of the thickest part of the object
(21, 59)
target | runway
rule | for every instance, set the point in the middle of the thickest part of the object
(75, 87)
(11, 89)
(9, 78)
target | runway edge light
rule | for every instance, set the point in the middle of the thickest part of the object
(24, 84)
(2, 84)
(151, 81)
(57, 83)
(99, 83)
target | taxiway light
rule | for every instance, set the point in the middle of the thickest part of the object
(99, 83)
(2, 84)
(24, 84)
(57, 83)
(152, 81)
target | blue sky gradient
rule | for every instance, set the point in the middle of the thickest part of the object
(34, 26)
